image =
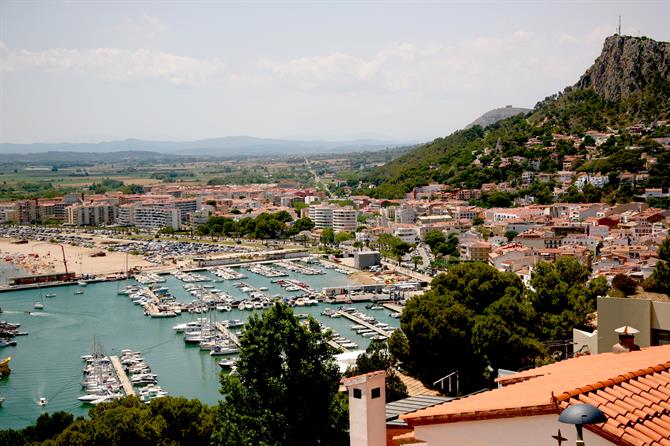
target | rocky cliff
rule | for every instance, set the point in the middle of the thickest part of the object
(495, 115)
(627, 65)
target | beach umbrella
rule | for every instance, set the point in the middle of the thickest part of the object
(627, 330)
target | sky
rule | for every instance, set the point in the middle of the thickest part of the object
(88, 71)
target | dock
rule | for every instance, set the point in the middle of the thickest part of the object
(123, 378)
(336, 346)
(393, 307)
(360, 321)
(227, 333)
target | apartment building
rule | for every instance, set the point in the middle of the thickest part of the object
(321, 215)
(186, 206)
(338, 218)
(345, 219)
(149, 216)
(91, 214)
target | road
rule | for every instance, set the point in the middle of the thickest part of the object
(316, 178)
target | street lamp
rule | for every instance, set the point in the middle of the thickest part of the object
(579, 415)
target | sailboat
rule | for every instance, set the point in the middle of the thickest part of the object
(39, 305)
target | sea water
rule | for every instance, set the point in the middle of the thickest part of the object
(47, 362)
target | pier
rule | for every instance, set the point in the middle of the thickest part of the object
(227, 333)
(336, 346)
(360, 321)
(123, 378)
(393, 307)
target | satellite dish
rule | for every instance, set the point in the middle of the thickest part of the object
(579, 415)
(582, 414)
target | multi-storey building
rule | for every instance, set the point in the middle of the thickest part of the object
(186, 206)
(338, 218)
(149, 216)
(321, 215)
(26, 211)
(157, 217)
(91, 214)
(344, 219)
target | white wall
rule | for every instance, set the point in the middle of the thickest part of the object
(520, 431)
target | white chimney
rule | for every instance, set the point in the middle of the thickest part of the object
(367, 409)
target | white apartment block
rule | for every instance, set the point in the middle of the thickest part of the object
(91, 214)
(149, 216)
(338, 218)
(321, 216)
(345, 219)
(407, 235)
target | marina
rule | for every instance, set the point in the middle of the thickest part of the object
(123, 378)
(47, 363)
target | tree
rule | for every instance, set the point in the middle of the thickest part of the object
(660, 279)
(563, 298)
(167, 230)
(343, 236)
(510, 235)
(433, 238)
(480, 316)
(286, 389)
(624, 284)
(377, 357)
(327, 236)
(166, 421)
(417, 260)
(301, 224)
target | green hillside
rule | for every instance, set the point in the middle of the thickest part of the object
(638, 94)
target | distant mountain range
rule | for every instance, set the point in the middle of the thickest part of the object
(497, 114)
(229, 146)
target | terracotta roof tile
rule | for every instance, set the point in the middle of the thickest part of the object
(635, 400)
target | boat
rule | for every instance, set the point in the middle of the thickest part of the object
(227, 363)
(42, 402)
(79, 292)
(50, 295)
(2, 400)
(224, 350)
(82, 283)
(7, 342)
(39, 306)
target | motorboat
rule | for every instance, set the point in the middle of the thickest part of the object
(79, 292)
(42, 401)
(38, 306)
(224, 350)
(50, 295)
(82, 283)
(227, 363)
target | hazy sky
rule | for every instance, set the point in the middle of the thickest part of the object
(179, 70)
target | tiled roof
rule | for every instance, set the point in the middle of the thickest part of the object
(632, 389)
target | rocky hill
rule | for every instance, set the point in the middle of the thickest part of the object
(497, 114)
(627, 65)
(629, 84)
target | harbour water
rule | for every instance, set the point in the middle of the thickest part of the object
(47, 363)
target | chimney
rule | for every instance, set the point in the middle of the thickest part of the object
(367, 409)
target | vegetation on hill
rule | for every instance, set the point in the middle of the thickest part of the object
(128, 421)
(573, 112)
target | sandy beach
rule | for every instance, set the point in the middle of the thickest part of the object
(44, 258)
